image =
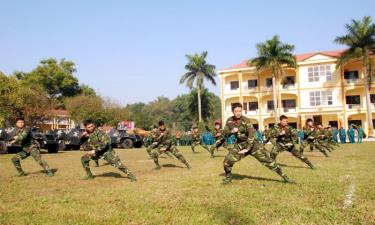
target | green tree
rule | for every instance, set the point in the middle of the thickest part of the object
(360, 39)
(209, 105)
(83, 107)
(274, 55)
(197, 71)
(57, 78)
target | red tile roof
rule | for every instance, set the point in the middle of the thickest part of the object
(299, 58)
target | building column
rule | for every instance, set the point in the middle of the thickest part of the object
(222, 84)
(240, 87)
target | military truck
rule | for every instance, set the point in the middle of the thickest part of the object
(121, 139)
(69, 139)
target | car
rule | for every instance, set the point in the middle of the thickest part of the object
(121, 139)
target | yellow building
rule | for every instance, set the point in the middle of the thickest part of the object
(315, 89)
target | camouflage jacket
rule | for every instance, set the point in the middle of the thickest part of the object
(323, 135)
(284, 136)
(24, 137)
(163, 138)
(266, 135)
(195, 136)
(98, 141)
(310, 134)
(246, 132)
(218, 134)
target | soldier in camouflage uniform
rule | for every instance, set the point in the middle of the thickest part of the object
(324, 138)
(100, 145)
(283, 138)
(311, 138)
(197, 140)
(220, 138)
(245, 143)
(164, 143)
(154, 144)
(30, 146)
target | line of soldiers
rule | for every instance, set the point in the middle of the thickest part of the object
(245, 137)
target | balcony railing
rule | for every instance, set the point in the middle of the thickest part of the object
(353, 106)
(288, 86)
(267, 88)
(289, 110)
(251, 112)
(354, 81)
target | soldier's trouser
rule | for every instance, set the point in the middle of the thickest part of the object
(26, 152)
(217, 145)
(150, 147)
(292, 149)
(172, 149)
(319, 146)
(110, 156)
(196, 143)
(257, 150)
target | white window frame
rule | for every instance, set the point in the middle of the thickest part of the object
(319, 73)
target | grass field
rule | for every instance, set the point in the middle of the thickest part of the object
(340, 191)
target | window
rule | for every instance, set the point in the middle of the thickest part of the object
(353, 99)
(289, 81)
(319, 73)
(270, 105)
(289, 103)
(351, 75)
(244, 105)
(269, 82)
(318, 98)
(253, 106)
(252, 84)
(234, 85)
(372, 98)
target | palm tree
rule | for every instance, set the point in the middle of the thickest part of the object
(197, 71)
(274, 55)
(360, 39)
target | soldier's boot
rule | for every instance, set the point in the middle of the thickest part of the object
(125, 170)
(89, 175)
(96, 163)
(21, 173)
(50, 173)
(311, 148)
(310, 164)
(284, 176)
(228, 175)
(287, 179)
(325, 153)
(188, 165)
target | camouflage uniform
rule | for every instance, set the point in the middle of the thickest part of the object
(196, 140)
(311, 138)
(324, 136)
(163, 143)
(154, 144)
(246, 143)
(101, 143)
(29, 147)
(283, 139)
(220, 141)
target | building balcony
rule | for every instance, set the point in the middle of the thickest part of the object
(353, 106)
(289, 110)
(251, 112)
(354, 81)
(288, 86)
(265, 88)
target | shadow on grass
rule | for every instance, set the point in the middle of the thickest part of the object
(300, 167)
(172, 166)
(241, 177)
(111, 174)
(54, 170)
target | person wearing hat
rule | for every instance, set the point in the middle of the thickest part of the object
(30, 146)
(196, 139)
(164, 144)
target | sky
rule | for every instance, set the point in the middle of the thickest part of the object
(134, 51)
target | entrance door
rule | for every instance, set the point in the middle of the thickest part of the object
(333, 124)
(355, 122)
(317, 119)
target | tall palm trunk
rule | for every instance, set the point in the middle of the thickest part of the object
(274, 97)
(367, 92)
(199, 104)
